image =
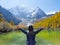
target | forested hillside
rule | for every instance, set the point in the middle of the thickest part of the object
(50, 22)
(6, 26)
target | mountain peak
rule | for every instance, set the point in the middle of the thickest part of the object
(38, 13)
(38, 8)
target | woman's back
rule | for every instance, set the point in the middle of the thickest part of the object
(31, 38)
(31, 35)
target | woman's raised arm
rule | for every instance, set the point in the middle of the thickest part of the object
(38, 30)
(22, 30)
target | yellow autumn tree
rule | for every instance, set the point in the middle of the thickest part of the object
(49, 22)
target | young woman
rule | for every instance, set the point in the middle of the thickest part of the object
(31, 35)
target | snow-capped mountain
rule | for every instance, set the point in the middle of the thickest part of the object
(38, 13)
(51, 13)
(30, 17)
(19, 12)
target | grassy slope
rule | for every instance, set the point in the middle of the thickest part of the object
(18, 38)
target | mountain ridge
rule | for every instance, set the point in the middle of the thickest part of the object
(8, 15)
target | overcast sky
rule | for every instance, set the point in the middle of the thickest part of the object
(45, 5)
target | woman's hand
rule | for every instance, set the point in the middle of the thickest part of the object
(43, 27)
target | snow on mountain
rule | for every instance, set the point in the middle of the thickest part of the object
(38, 13)
(20, 12)
(51, 13)
(30, 17)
